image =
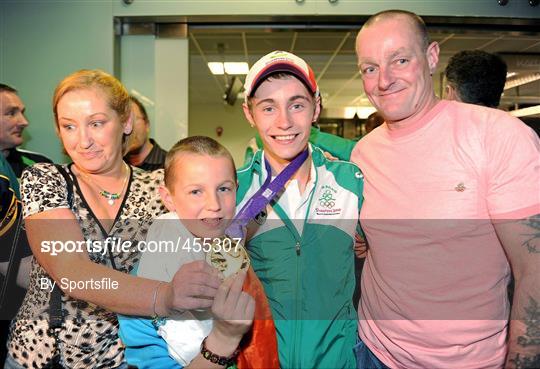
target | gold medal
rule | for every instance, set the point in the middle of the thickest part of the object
(228, 256)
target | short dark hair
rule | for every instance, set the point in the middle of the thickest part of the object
(201, 145)
(374, 120)
(7, 88)
(415, 19)
(141, 107)
(477, 76)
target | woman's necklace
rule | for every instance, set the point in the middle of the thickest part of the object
(110, 196)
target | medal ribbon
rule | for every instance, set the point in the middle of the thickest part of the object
(264, 195)
(259, 349)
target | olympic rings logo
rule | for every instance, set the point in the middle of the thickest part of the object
(327, 200)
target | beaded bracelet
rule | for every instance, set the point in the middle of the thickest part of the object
(218, 359)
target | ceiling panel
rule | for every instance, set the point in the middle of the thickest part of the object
(340, 83)
(232, 43)
(262, 43)
(318, 42)
(458, 43)
(533, 48)
(349, 45)
(512, 45)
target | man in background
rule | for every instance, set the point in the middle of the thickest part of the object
(15, 253)
(475, 77)
(373, 121)
(142, 151)
(12, 124)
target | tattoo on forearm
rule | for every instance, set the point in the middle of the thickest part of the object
(532, 321)
(526, 362)
(533, 240)
(531, 337)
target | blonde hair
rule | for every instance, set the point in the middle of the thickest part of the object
(200, 145)
(84, 79)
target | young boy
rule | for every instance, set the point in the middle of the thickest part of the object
(200, 193)
(301, 245)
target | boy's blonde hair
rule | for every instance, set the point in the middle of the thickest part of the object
(200, 145)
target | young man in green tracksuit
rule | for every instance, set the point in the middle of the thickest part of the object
(301, 246)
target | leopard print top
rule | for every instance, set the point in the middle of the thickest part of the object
(89, 335)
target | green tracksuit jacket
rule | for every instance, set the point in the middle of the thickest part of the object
(309, 277)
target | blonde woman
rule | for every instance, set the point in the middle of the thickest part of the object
(83, 221)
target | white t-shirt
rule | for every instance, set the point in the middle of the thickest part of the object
(165, 255)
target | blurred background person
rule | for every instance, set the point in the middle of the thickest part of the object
(15, 254)
(475, 77)
(142, 151)
(12, 124)
(15, 251)
(373, 121)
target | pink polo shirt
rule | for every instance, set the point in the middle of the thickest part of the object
(434, 282)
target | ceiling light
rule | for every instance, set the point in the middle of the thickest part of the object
(532, 110)
(236, 68)
(510, 74)
(518, 81)
(349, 112)
(365, 111)
(219, 68)
(216, 67)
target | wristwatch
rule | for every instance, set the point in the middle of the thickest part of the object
(218, 359)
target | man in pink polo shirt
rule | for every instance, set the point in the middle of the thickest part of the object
(451, 202)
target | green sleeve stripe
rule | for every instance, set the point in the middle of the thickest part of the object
(27, 161)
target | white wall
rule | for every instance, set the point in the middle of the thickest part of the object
(236, 129)
(137, 71)
(157, 72)
(172, 91)
(43, 41)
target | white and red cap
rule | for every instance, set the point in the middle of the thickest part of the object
(275, 62)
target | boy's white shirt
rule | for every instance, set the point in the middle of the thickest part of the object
(294, 203)
(185, 333)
